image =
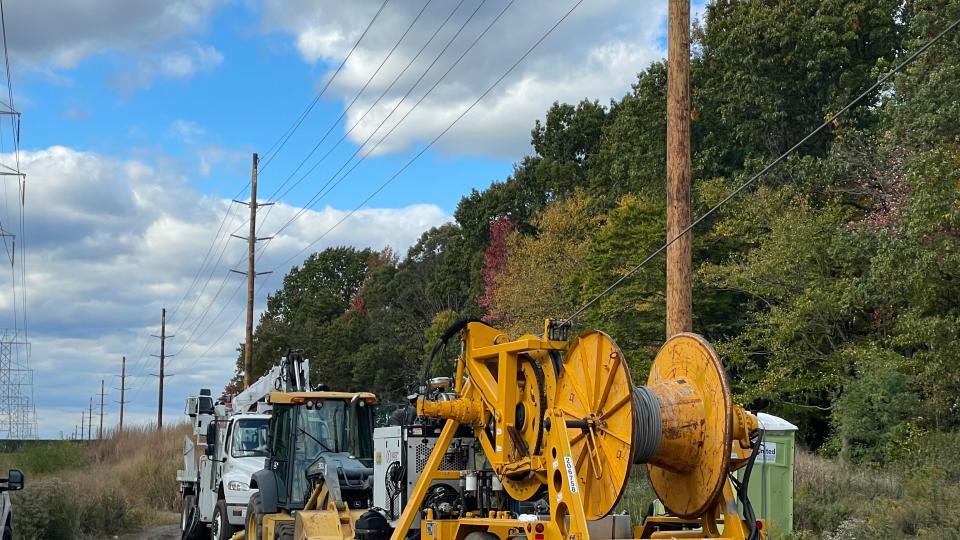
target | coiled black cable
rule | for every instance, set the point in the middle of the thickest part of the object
(647, 427)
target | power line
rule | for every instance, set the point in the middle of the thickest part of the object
(268, 157)
(437, 138)
(765, 170)
(281, 141)
(320, 194)
(352, 102)
(200, 319)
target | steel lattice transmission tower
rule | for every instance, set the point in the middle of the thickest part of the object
(18, 418)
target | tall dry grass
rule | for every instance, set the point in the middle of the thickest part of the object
(98, 488)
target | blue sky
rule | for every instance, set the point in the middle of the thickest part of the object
(139, 119)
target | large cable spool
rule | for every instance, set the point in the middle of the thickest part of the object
(595, 393)
(695, 410)
(679, 424)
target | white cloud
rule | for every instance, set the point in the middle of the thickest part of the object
(180, 64)
(64, 34)
(596, 53)
(116, 241)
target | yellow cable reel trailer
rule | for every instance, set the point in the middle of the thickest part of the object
(561, 426)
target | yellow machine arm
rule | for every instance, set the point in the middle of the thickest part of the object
(564, 419)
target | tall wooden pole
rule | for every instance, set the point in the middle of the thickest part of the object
(102, 394)
(679, 282)
(83, 423)
(163, 356)
(90, 421)
(123, 387)
(251, 276)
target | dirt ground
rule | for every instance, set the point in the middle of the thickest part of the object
(163, 532)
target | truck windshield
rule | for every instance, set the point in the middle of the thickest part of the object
(249, 438)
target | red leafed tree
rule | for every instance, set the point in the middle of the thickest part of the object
(495, 259)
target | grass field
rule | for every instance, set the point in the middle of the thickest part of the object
(98, 488)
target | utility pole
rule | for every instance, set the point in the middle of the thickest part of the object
(83, 422)
(102, 393)
(123, 387)
(90, 421)
(679, 282)
(163, 356)
(251, 271)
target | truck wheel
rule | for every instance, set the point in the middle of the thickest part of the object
(189, 524)
(254, 522)
(7, 533)
(284, 531)
(220, 526)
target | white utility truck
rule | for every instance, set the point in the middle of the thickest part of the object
(215, 485)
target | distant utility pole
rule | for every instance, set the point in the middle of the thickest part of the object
(83, 422)
(102, 393)
(679, 309)
(90, 421)
(163, 356)
(123, 388)
(251, 271)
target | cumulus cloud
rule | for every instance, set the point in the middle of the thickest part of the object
(596, 53)
(63, 35)
(180, 64)
(117, 240)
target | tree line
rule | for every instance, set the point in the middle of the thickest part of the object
(831, 289)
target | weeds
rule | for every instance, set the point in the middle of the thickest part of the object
(100, 488)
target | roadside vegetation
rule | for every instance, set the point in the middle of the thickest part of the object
(97, 489)
(831, 288)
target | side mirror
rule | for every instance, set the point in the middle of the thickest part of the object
(14, 481)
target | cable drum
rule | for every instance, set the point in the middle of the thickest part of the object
(647, 427)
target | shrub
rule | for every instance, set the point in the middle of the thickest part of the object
(46, 509)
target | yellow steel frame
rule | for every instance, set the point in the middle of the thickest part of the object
(487, 387)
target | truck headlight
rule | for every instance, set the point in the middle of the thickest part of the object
(235, 485)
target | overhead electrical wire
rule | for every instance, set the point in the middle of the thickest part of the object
(329, 130)
(437, 138)
(330, 181)
(830, 119)
(274, 148)
(263, 246)
(268, 156)
(381, 96)
(352, 102)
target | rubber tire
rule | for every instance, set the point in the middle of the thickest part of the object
(284, 531)
(188, 507)
(220, 513)
(7, 532)
(480, 535)
(254, 518)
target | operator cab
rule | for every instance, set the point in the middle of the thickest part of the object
(311, 433)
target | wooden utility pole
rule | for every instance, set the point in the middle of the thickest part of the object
(251, 275)
(83, 422)
(102, 393)
(251, 272)
(679, 282)
(123, 387)
(90, 421)
(163, 356)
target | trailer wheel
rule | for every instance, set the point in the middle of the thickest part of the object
(254, 522)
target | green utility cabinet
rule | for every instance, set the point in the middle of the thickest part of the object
(771, 483)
